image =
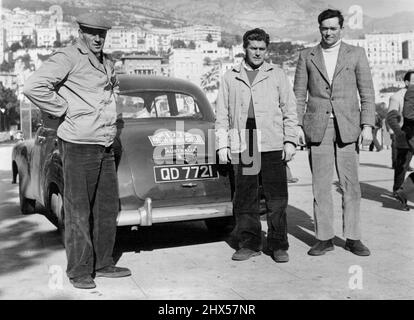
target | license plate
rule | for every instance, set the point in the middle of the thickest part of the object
(185, 172)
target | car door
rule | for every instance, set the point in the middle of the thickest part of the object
(45, 143)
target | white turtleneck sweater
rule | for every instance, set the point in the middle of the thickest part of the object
(330, 55)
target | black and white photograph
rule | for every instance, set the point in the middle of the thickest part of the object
(207, 151)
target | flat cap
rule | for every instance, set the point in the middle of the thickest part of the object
(93, 20)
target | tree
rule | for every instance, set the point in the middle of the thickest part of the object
(15, 46)
(26, 60)
(209, 38)
(229, 40)
(27, 42)
(117, 55)
(69, 41)
(238, 39)
(152, 52)
(207, 61)
(9, 106)
(191, 45)
(6, 66)
(57, 44)
(178, 44)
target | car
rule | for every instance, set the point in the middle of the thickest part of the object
(16, 135)
(164, 154)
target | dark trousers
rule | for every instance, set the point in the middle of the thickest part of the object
(246, 201)
(402, 163)
(91, 206)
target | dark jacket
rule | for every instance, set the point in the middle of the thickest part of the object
(408, 114)
(404, 134)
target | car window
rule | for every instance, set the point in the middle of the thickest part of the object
(149, 104)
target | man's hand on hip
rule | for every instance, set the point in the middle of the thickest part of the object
(289, 151)
(366, 135)
(224, 155)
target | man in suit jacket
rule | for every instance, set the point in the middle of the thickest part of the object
(328, 79)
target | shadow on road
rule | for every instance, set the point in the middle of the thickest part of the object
(161, 236)
(22, 244)
(377, 194)
(381, 195)
(375, 165)
(301, 226)
(192, 233)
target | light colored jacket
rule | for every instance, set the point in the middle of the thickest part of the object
(317, 97)
(74, 84)
(274, 107)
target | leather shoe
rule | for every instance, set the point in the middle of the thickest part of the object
(402, 200)
(280, 255)
(83, 282)
(244, 254)
(356, 247)
(113, 272)
(321, 247)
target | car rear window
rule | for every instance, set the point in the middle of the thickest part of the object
(157, 104)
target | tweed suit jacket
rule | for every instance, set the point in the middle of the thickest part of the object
(350, 96)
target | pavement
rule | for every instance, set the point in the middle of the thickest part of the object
(185, 261)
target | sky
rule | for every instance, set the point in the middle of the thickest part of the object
(376, 8)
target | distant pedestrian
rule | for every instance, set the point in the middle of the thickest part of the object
(395, 121)
(407, 187)
(380, 115)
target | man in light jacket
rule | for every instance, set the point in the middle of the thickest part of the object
(256, 129)
(78, 83)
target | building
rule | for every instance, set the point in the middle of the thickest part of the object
(37, 55)
(387, 48)
(197, 33)
(9, 80)
(186, 64)
(46, 37)
(384, 48)
(66, 31)
(2, 35)
(237, 51)
(389, 54)
(142, 65)
(22, 74)
(158, 39)
(212, 50)
(125, 39)
(356, 42)
(19, 24)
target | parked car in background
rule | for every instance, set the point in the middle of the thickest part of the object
(16, 135)
(164, 152)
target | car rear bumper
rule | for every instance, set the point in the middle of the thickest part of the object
(146, 215)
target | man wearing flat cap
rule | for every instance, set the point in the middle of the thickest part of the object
(78, 84)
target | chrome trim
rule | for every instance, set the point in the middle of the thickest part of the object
(146, 215)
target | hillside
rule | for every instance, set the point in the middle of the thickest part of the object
(295, 19)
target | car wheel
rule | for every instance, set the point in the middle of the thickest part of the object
(56, 206)
(27, 206)
(223, 225)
